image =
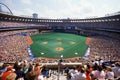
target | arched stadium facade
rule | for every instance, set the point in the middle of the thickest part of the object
(108, 23)
(108, 26)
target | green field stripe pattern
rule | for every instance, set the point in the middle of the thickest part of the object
(55, 45)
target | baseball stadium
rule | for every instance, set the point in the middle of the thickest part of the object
(33, 48)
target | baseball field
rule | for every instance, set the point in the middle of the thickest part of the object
(56, 45)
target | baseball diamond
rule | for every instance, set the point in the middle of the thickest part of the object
(53, 45)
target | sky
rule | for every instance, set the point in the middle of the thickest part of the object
(62, 8)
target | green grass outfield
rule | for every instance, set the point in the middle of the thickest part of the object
(56, 45)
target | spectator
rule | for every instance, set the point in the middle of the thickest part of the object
(80, 75)
(109, 73)
(9, 74)
(19, 73)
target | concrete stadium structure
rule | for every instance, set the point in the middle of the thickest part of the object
(108, 23)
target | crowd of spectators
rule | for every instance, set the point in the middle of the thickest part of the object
(13, 46)
(106, 48)
(20, 71)
(4, 24)
(96, 70)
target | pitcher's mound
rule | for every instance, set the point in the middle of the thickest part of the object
(59, 49)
